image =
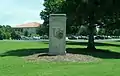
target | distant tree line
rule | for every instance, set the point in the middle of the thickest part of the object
(7, 32)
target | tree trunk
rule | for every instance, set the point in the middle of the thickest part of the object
(91, 45)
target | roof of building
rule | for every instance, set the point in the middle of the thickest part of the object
(31, 24)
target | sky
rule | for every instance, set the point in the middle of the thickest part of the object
(15, 12)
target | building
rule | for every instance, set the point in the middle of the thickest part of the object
(29, 27)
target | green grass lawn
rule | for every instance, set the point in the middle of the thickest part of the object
(12, 62)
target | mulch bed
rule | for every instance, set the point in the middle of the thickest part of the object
(62, 58)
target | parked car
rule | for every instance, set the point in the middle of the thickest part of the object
(72, 37)
(36, 38)
(107, 37)
(31, 38)
(83, 37)
(67, 38)
(44, 37)
(98, 37)
(24, 38)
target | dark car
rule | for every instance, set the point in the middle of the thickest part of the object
(99, 37)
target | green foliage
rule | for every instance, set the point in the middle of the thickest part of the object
(83, 11)
(15, 35)
(51, 6)
(83, 31)
(5, 32)
(42, 30)
(6, 35)
(1, 35)
(116, 32)
(90, 13)
(101, 31)
(26, 33)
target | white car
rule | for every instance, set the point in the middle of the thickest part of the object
(67, 38)
(36, 38)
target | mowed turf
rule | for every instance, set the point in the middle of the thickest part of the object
(13, 63)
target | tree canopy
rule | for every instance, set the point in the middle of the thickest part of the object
(85, 12)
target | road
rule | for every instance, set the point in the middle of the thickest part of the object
(107, 40)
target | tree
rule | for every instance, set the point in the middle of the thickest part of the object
(41, 30)
(1, 35)
(116, 32)
(8, 31)
(84, 12)
(51, 6)
(83, 31)
(92, 12)
(8, 35)
(101, 31)
(26, 33)
(5, 31)
(15, 35)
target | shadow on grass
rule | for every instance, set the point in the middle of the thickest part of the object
(85, 43)
(117, 41)
(105, 54)
(24, 52)
(96, 44)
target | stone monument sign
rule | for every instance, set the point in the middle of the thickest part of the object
(57, 34)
